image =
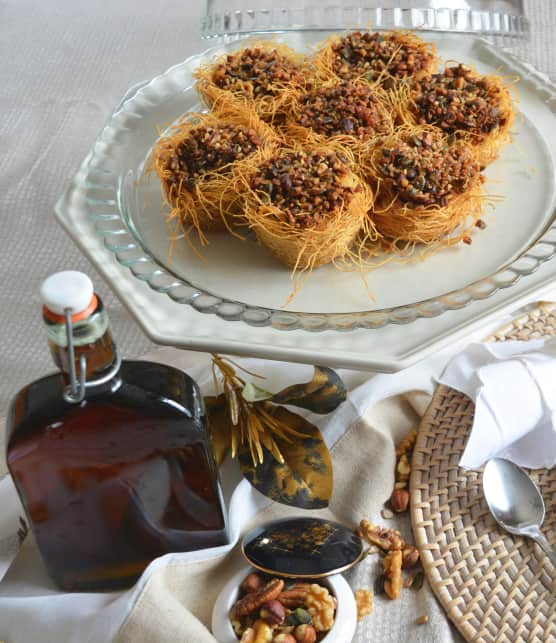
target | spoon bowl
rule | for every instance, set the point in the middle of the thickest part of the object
(515, 502)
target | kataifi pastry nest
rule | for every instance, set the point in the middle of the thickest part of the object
(307, 205)
(200, 163)
(263, 76)
(427, 191)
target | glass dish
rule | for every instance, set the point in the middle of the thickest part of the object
(126, 211)
(495, 18)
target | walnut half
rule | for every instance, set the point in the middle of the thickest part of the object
(392, 564)
(364, 602)
(321, 606)
(386, 539)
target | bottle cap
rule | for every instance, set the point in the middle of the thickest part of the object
(68, 289)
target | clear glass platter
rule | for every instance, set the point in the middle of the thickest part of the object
(494, 18)
(240, 281)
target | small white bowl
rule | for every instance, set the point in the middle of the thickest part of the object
(345, 621)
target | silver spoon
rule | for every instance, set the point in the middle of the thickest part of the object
(515, 502)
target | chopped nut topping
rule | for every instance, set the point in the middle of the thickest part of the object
(209, 148)
(364, 602)
(459, 100)
(342, 109)
(305, 186)
(424, 170)
(380, 56)
(256, 72)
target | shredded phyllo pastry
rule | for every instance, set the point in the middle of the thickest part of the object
(200, 163)
(359, 154)
(307, 206)
(265, 77)
(426, 187)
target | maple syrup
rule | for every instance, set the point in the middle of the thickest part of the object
(120, 477)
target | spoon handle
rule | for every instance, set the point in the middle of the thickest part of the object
(543, 543)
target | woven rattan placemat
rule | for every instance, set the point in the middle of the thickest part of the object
(493, 586)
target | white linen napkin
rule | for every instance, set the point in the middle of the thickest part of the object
(513, 385)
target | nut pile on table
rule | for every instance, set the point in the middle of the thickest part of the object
(398, 555)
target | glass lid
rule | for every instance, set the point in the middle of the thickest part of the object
(481, 17)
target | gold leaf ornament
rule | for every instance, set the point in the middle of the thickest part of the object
(283, 455)
(304, 478)
(323, 394)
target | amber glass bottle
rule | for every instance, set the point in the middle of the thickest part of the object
(121, 476)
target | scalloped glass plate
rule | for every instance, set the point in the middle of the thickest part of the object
(240, 281)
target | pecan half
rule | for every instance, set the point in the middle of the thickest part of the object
(254, 600)
(296, 596)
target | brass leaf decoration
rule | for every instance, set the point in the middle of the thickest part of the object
(304, 479)
(323, 394)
